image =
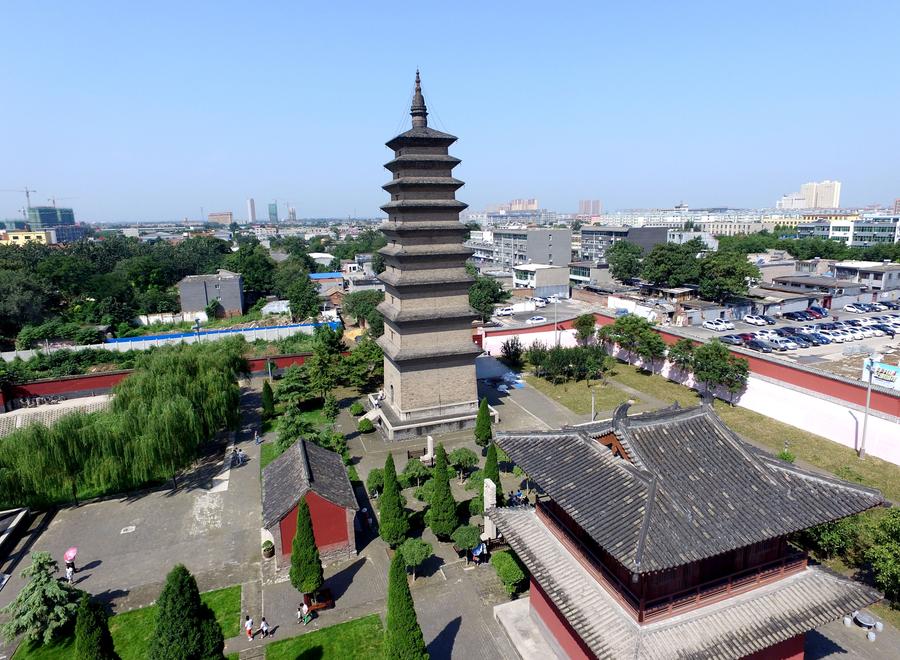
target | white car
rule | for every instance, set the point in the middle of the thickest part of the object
(782, 344)
(539, 302)
(753, 319)
(718, 325)
(833, 335)
(767, 335)
(865, 332)
(553, 299)
(853, 308)
(504, 311)
(536, 319)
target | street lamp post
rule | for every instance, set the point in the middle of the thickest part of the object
(870, 363)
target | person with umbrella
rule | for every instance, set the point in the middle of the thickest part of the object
(69, 558)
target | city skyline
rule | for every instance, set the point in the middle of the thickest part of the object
(142, 120)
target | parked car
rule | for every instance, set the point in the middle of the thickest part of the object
(856, 308)
(890, 304)
(553, 299)
(767, 335)
(834, 336)
(782, 344)
(719, 325)
(539, 302)
(800, 340)
(816, 314)
(504, 311)
(733, 340)
(768, 319)
(795, 316)
(889, 330)
(811, 338)
(785, 332)
(753, 319)
(821, 310)
(758, 345)
(747, 336)
(819, 337)
(536, 319)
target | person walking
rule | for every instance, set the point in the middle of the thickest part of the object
(264, 627)
(248, 626)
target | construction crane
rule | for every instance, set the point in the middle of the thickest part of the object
(27, 192)
(53, 200)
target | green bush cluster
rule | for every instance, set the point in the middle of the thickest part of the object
(177, 398)
(55, 330)
(559, 364)
(356, 409)
(510, 571)
(365, 426)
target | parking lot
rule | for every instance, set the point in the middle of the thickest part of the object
(564, 310)
(850, 354)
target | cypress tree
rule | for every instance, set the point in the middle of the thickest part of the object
(394, 523)
(186, 628)
(483, 433)
(268, 401)
(306, 565)
(402, 636)
(92, 638)
(492, 470)
(441, 515)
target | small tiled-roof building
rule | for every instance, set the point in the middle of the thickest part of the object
(665, 535)
(306, 469)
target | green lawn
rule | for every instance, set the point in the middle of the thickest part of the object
(360, 638)
(268, 452)
(577, 396)
(654, 386)
(131, 631)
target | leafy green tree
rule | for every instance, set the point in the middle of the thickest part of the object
(331, 409)
(294, 386)
(268, 401)
(651, 347)
(361, 305)
(293, 426)
(364, 367)
(24, 299)
(416, 471)
(44, 608)
(463, 459)
(375, 480)
(186, 628)
(466, 537)
(670, 264)
(484, 294)
(322, 373)
(303, 298)
(884, 555)
(725, 274)
(715, 365)
(402, 636)
(291, 270)
(681, 354)
(512, 351)
(415, 552)
(378, 263)
(441, 515)
(585, 327)
(92, 638)
(306, 566)
(624, 258)
(394, 523)
(483, 432)
(252, 261)
(492, 470)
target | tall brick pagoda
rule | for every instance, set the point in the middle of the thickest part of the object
(429, 356)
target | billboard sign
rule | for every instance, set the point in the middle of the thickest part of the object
(883, 375)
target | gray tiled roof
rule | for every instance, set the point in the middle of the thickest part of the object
(693, 490)
(726, 630)
(304, 467)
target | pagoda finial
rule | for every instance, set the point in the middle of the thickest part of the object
(419, 112)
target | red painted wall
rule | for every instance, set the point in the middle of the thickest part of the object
(565, 636)
(329, 524)
(100, 382)
(258, 365)
(789, 649)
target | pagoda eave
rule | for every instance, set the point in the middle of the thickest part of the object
(395, 315)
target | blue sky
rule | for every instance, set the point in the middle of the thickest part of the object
(145, 111)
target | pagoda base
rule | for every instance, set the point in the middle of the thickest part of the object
(526, 632)
(443, 420)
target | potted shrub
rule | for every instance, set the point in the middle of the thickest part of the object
(356, 409)
(268, 549)
(365, 426)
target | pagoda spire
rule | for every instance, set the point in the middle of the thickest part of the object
(418, 111)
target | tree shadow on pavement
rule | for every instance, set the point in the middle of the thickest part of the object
(441, 647)
(341, 581)
(819, 646)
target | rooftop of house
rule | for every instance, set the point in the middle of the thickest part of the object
(534, 267)
(810, 280)
(304, 466)
(688, 489)
(336, 275)
(220, 274)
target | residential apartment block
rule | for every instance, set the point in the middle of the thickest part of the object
(513, 247)
(851, 228)
(597, 239)
(196, 292)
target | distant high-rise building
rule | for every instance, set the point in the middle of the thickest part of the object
(821, 195)
(273, 212)
(223, 218)
(591, 207)
(292, 214)
(43, 217)
(897, 206)
(251, 210)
